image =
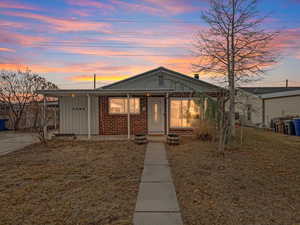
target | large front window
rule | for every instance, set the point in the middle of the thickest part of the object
(119, 105)
(183, 111)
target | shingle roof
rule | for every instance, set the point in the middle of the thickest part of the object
(268, 90)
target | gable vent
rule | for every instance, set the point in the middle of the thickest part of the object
(160, 80)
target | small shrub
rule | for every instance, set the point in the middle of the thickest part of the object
(205, 130)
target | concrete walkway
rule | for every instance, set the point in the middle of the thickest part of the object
(12, 141)
(157, 203)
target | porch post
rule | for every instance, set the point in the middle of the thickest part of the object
(128, 115)
(44, 119)
(89, 117)
(167, 112)
(55, 119)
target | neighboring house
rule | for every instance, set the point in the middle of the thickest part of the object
(259, 105)
(32, 116)
(158, 103)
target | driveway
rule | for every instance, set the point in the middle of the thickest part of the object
(12, 141)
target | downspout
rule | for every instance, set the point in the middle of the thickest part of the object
(128, 116)
(263, 112)
(44, 119)
(167, 112)
(89, 117)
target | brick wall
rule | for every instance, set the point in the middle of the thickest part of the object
(112, 124)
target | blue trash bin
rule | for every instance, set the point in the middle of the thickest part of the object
(2, 124)
(297, 126)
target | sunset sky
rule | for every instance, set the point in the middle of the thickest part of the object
(67, 41)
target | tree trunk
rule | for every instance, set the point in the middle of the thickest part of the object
(222, 127)
(231, 108)
(232, 132)
(16, 123)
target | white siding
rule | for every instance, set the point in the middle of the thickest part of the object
(73, 115)
(284, 106)
(245, 99)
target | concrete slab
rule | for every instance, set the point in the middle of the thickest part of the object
(156, 173)
(155, 154)
(157, 219)
(13, 141)
(157, 197)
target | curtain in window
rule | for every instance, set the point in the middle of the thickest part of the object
(119, 105)
(183, 111)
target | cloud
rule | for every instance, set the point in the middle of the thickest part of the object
(153, 7)
(98, 52)
(64, 25)
(133, 7)
(91, 3)
(10, 24)
(16, 5)
(87, 78)
(20, 39)
(111, 73)
(80, 12)
(7, 50)
(173, 6)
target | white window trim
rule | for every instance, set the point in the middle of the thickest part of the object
(125, 113)
(170, 102)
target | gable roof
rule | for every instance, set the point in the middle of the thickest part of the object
(268, 90)
(175, 74)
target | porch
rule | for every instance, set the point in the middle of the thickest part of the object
(115, 115)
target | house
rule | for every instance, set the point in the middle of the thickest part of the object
(259, 105)
(155, 102)
(31, 117)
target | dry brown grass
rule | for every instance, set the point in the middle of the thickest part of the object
(71, 183)
(258, 184)
(205, 130)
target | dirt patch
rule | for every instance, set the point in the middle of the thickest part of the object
(256, 184)
(71, 183)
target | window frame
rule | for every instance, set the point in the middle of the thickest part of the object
(170, 111)
(124, 113)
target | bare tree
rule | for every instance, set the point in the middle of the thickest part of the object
(18, 90)
(235, 46)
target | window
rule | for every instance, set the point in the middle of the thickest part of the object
(119, 105)
(183, 111)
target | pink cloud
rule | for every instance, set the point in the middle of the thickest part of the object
(154, 7)
(64, 25)
(10, 24)
(173, 6)
(136, 7)
(16, 5)
(7, 50)
(98, 52)
(80, 12)
(21, 39)
(91, 3)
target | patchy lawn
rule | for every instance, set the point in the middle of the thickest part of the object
(78, 183)
(257, 184)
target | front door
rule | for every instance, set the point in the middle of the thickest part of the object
(156, 112)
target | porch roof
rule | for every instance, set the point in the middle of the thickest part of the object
(98, 92)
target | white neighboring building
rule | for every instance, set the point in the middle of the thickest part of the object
(256, 106)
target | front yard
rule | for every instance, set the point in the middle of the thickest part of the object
(69, 182)
(257, 184)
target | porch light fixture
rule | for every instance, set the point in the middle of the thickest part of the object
(73, 95)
